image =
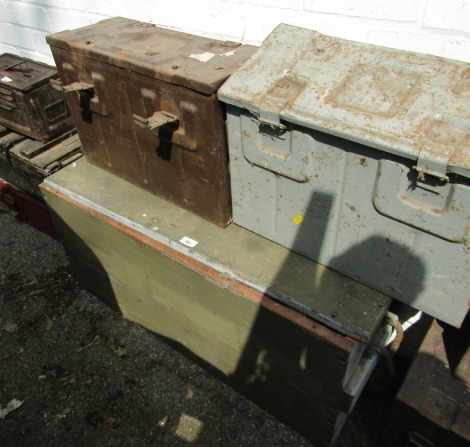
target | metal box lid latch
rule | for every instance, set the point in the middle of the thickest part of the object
(156, 121)
(431, 165)
(269, 112)
(85, 93)
(87, 97)
(282, 94)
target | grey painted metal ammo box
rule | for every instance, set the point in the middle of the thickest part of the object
(358, 157)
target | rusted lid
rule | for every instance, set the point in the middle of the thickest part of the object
(199, 63)
(20, 73)
(396, 101)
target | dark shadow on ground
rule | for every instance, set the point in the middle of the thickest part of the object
(88, 376)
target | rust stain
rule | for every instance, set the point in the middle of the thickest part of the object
(437, 211)
(375, 89)
(462, 86)
(123, 54)
(419, 127)
(454, 207)
(351, 207)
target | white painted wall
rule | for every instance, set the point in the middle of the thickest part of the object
(440, 27)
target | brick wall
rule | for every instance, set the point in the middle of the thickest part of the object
(429, 26)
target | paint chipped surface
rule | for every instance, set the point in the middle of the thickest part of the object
(384, 98)
(202, 57)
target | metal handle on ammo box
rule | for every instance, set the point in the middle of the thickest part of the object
(25, 71)
(284, 153)
(443, 214)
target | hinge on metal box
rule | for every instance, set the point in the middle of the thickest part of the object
(431, 163)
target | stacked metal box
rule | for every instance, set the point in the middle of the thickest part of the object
(144, 102)
(38, 137)
(24, 164)
(357, 157)
(28, 102)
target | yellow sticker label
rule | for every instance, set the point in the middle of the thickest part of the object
(298, 219)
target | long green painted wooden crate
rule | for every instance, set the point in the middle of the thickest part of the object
(288, 333)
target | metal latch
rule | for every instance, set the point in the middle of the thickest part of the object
(78, 87)
(85, 94)
(269, 112)
(432, 163)
(282, 94)
(156, 121)
(88, 99)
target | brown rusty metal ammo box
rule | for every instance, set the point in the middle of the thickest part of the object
(28, 102)
(144, 103)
